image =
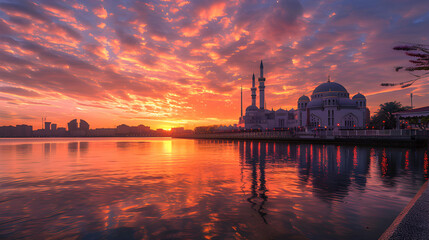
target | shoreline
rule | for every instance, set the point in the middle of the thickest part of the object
(412, 222)
(387, 141)
(381, 141)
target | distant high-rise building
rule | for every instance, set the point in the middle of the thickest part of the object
(18, 131)
(143, 128)
(83, 125)
(53, 126)
(7, 131)
(123, 130)
(72, 125)
(177, 130)
(103, 132)
(76, 130)
(24, 130)
(48, 126)
(61, 132)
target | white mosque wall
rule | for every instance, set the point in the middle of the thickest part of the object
(333, 118)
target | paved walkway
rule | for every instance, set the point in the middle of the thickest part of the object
(413, 221)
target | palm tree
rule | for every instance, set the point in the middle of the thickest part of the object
(384, 118)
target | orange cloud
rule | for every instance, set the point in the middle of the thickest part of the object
(214, 11)
(100, 12)
(101, 25)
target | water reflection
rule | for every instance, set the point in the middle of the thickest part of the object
(83, 147)
(73, 147)
(163, 188)
(332, 169)
(47, 149)
(256, 158)
(24, 149)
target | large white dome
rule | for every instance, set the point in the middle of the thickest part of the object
(330, 89)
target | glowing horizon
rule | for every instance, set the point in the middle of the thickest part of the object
(174, 63)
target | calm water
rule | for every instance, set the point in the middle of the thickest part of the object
(157, 188)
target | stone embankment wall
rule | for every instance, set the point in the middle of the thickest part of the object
(400, 138)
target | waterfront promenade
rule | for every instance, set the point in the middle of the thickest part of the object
(399, 137)
(412, 222)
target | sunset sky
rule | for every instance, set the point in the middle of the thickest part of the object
(173, 63)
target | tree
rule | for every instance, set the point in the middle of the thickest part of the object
(384, 118)
(420, 62)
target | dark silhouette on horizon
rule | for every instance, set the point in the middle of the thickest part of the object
(82, 129)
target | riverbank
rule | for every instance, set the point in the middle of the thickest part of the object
(413, 221)
(372, 138)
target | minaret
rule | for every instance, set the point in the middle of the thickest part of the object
(241, 107)
(253, 89)
(261, 88)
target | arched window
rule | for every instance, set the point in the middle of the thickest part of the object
(349, 121)
(329, 117)
(314, 121)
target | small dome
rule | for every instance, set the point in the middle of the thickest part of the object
(252, 108)
(359, 96)
(329, 87)
(303, 98)
(280, 110)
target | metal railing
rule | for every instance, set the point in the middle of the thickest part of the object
(386, 133)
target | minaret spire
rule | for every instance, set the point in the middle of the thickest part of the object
(253, 89)
(262, 88)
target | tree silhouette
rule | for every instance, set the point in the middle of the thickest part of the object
(420, 62)
(384, 118)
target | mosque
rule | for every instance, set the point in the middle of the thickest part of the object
(330, 107)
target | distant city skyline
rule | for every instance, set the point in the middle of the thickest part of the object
(182, 63)
(81, 128)
(75, 124)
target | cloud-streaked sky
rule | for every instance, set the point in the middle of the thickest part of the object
(174, 63)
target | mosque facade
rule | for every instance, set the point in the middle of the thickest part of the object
(330, 107)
